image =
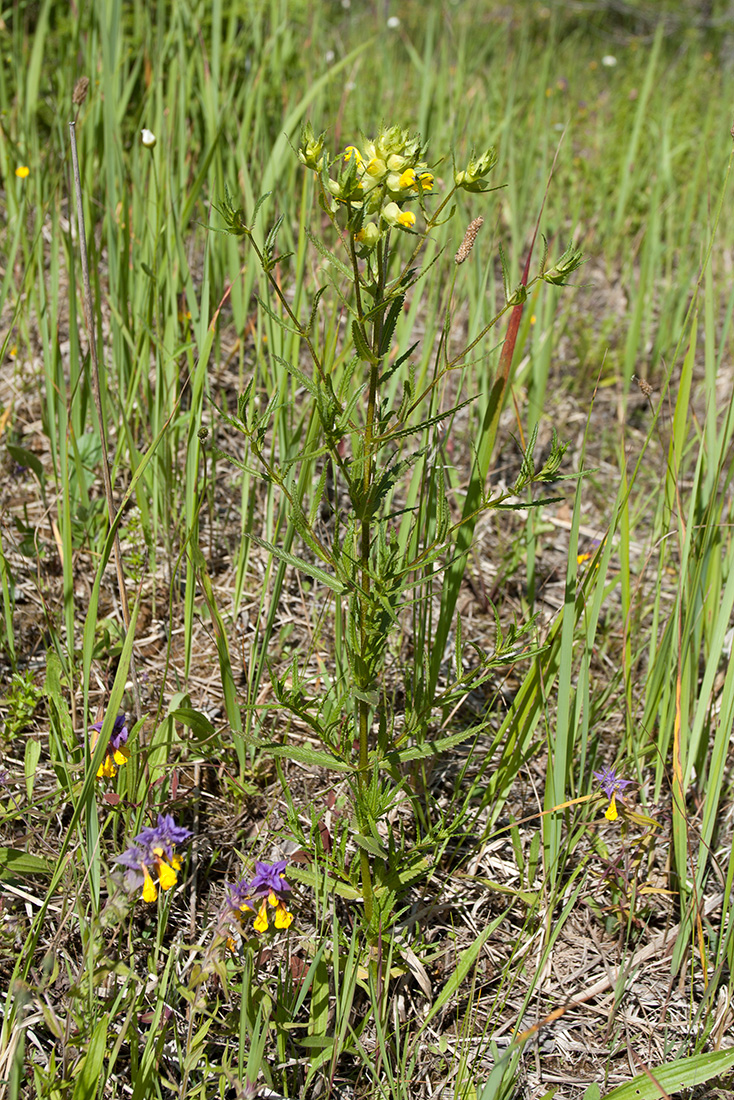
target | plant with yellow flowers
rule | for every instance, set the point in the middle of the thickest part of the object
(375, 431)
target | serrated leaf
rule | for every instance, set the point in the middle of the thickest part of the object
(316, 881)
(360, 344)
(304, 754)
(298, 563)
(278, 320)
(430, 748)
(388, 325)
(258, 204)
(297, 373)
(314, 308)
(370, 845)
(333, 260)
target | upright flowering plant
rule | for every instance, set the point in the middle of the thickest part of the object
(373, 424)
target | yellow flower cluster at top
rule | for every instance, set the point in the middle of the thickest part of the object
(374, 181)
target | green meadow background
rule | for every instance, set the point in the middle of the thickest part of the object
(528, 944)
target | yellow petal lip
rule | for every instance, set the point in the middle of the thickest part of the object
(283, 919)
(166, 875)
(611, 812)
(150, 892)
(22, 171)
(261, 921)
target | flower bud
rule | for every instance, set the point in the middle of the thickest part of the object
(518, 296)
(148, 138)
(472, 178)
(311, 149)
(571, 259)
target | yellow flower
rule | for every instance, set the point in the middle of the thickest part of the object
(425, 179)
(150, 893)
(353, 151)
(393, 215)
(407, 179)
(167, 872)
(261, 921)
(611, 813)
(283, 919)
(22, 171)
(376, 168)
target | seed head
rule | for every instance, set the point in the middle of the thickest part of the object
(469, 238)
(80, 91)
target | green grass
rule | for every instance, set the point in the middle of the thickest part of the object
(467, 922)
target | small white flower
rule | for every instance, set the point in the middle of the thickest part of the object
(148, 138)
(393, 22)
(329, 56)
(608, 61)
(346, 3)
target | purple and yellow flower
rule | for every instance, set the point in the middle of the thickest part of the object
(612, 786)
(267, 887)
(150, 857)
(116, 754)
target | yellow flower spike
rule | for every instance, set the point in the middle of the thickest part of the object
(611, 812)
(22, 171)
(283, 919)
(261, 921)
(150, 891)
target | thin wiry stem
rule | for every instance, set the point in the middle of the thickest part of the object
(89, 317)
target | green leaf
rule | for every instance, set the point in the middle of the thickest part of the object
(303, 754)
(194, 720)
(330, 259)
(88, 1080)
(27, 458)
(317, 881)
(30, 763)
(370, 845)
(314, 309)
(360, 344)
(466, 962)
(14, 861)
(685, 1073)
(298, 563)
(278, 320)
